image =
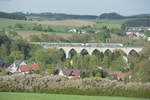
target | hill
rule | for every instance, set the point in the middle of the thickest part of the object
(58, 16)
(111, 16)
(118, 16)
(12, 16)
(138, 22)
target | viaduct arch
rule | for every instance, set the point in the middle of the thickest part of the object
(90, 47)
(90, 50)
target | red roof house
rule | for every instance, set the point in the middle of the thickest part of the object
(120, 75)
(25, 68)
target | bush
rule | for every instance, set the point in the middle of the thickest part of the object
(60, 85)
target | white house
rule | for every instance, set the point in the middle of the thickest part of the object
(73, 31)
(148, 39)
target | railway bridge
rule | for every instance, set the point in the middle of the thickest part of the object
(90, 47)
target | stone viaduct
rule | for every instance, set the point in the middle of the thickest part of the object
(90, 47)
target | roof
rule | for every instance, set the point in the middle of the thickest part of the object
(2, 63)
(70, 72)
(120, 75)
(74, 78)
(24, 68)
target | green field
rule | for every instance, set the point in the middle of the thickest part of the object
(110, 23)
(59, 29)
(4, 23)
(31, 96)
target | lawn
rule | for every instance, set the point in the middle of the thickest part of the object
(31, 96)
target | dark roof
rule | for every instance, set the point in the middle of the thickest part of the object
(2, 63)
(71, 72)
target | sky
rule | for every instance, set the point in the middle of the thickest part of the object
(82, 7)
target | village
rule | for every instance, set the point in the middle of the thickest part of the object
(25, 68)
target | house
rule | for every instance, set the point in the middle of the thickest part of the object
(119, 75)
(73, 31)
(97, 31)
(148, 29)
(23, 68)
(83, 32)
(148, 38)
(28, 68)
(72, 74)
(136, 33)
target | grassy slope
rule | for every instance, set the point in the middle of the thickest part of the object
(31, 96)
(4, 23)
(110, 23)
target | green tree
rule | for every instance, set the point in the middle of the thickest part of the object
(117, 64)
(147, 34)
(9, 59)
(106, 61)
(98, 74)
(91, 75)
(34, 38)
(17, 55)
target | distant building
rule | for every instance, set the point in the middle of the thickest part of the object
(119, 75)
(148, 39)
(22, 67)
(72, 74)
(82, 32)
(73, 31)
(148, 29)
(136, 33)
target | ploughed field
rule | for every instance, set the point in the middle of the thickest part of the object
(67, 22)
(35, 96)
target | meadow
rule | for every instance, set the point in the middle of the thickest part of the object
(64, 24)
(32, 96)
(4, 23)
(110, 23)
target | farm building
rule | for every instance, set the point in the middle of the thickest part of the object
(23, 68)
(72, 74)
(119, 75)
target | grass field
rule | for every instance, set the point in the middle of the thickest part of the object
(110, 23)
(4, 23)
(31, 96)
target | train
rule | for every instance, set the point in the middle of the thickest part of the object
(80, 44)
(102, 44)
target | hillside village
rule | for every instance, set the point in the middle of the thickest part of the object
(52, 56)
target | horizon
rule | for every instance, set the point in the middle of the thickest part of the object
(95, 7)
(75, 14)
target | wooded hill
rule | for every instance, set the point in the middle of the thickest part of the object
(12, 16)
(118, 16)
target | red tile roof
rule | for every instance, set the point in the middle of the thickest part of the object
(120, 75)
(24, 68)
(74, 78)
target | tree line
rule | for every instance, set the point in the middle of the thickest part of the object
(12, 16)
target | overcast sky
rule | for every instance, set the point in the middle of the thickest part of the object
(90, 7)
